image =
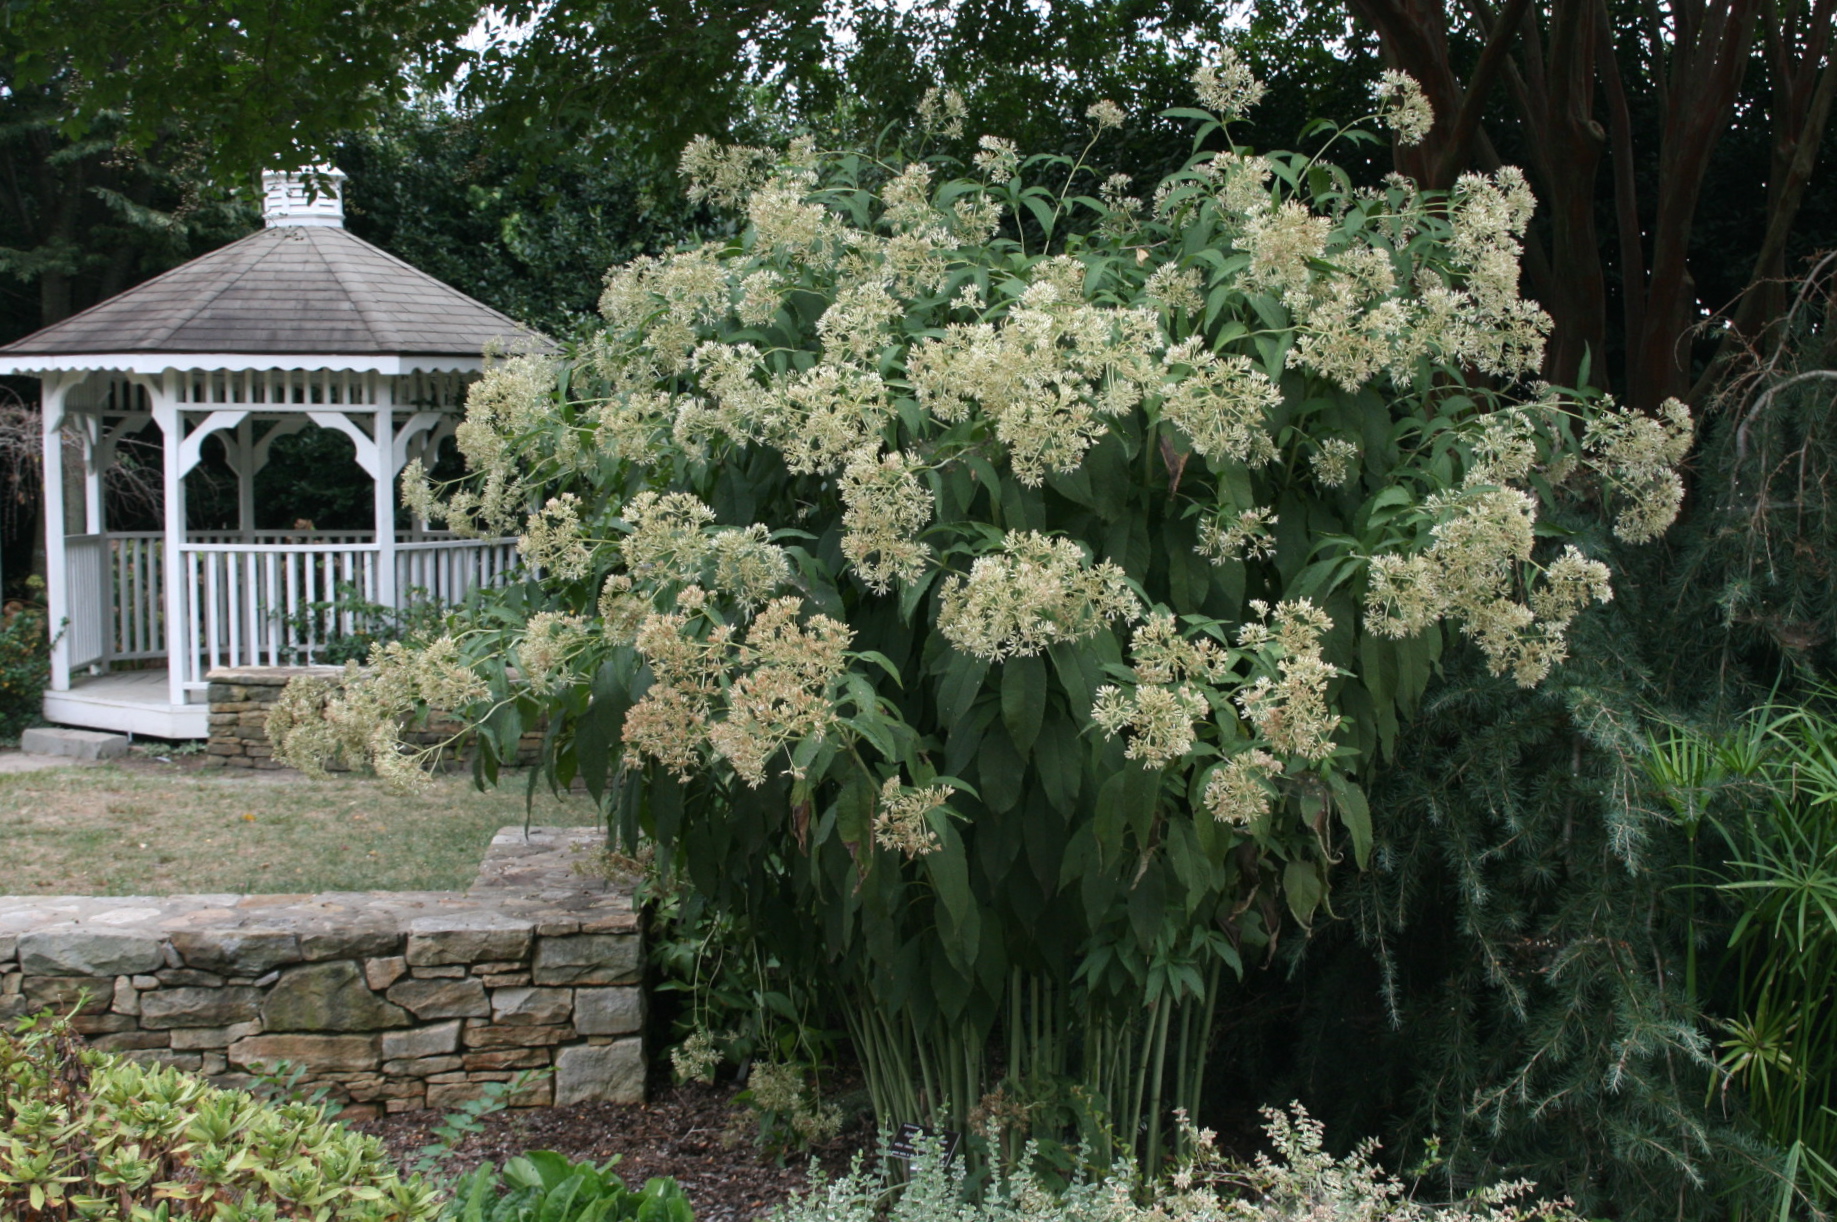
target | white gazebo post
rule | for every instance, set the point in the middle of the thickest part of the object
(171, 423)
(57, 581)
(383, 477)
(243, 460)
(95, 460)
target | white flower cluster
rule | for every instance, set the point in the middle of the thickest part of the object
(1479, 563)
(740, 696)
(1403, 107)
(1220, 403)
(1245, 535)
(1239, 791)
(1289, 709)
(1047, 376)
(784, 1091)
(553, 539)
(1641, 455)
(722, 174)
(1172, 674)
(1036, 592)
(885, 509)
(943, 111)
(901, 817)
(1228, 88)
(359, 716)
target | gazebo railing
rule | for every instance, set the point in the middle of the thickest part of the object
(264, 605)
(252, 604)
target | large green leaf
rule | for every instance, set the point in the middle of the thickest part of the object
(960, 685)
(1023, 700)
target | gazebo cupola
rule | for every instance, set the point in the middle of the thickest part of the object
(300, 323)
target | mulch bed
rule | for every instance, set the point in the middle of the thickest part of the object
(692, 1132)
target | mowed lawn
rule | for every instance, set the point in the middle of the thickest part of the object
(145, 828)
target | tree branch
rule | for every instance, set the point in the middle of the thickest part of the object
(1457, 151)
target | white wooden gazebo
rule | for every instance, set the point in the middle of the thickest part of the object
(299, 323)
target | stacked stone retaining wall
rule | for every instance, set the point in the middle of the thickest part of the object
(240, 698)
(393, 1001)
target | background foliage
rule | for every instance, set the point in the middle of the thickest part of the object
(1733, 607)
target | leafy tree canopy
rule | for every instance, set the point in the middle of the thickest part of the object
(240, 84)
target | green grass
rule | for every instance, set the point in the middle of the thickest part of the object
(145, 828)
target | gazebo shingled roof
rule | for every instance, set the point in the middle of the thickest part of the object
(282, 291)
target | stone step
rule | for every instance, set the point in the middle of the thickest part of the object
(77, 744)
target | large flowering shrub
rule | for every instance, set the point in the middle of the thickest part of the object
(994, 584)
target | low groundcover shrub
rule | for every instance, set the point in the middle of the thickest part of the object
(1296, 1180)
(91, 1135)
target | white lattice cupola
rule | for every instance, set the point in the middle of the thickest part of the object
(312, 197)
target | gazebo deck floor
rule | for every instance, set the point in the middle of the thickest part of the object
(127, 702)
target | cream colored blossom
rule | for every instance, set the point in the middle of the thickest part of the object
(669, 726)
(443, 680)
(668, 540)
(784, 697)
(745, 699)
(1106, 114)
(1047, 375)
(1402, 596)
(761, 293)
(998, 159)
(855, 326)
(553, 539)
(1124, 209)
(943, 111)
(885, 510)
(634, 423)
(621, 610)
(748, 568)
(901, 817)
(1333, 461)
(1281, 244)
(1247, 534)
(1238, 791)
(1228, 88)
(1220, 402)
(1242, 184)
(1640, 455)
(696, 1058)
(1176, 288)
(906, 198)
(1290, 709)
(418, 493)
(1038, 591)
(550, 640)
(722, 174)
(1158, 653)
(1403, 106)
(359, 717)
(786, 224)
(1157, 719)
(1571, 583)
